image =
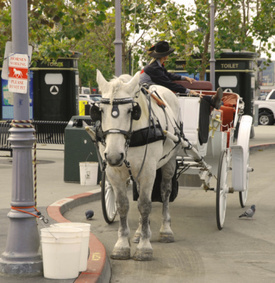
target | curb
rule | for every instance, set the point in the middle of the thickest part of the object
(98, 269)
(259, 147)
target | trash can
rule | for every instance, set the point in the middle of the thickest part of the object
(78, 148)
(55, 88)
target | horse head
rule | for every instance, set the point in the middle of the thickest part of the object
(117, 110)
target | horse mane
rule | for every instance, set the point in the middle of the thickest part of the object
(116, 83)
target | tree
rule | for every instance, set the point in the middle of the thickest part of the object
(143, 23)
(238, 23)
(57, 28)
(5, 27)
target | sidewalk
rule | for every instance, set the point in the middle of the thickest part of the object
(55, 197)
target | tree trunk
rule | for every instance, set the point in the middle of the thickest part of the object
(204, 58)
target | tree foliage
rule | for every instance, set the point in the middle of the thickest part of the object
(240, 25)
(57, 28)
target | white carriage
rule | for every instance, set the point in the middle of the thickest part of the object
(222, 160)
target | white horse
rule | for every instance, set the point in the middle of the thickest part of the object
(123, 110)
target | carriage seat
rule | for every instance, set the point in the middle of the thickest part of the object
(229, 100)
(201, 85)
(228, 110)
(228, 113)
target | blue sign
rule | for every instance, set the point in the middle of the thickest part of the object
(7, 99)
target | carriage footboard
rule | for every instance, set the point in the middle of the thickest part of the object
(194, 160)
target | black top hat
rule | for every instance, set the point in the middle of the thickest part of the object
(161, 49)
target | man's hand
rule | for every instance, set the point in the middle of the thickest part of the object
(194, 93)
(190, 80)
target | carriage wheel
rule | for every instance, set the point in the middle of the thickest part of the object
(108, 200)
(244, 194)
(222, 188)
(243, 140)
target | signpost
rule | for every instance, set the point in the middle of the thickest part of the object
(118, 42)
(212, 53)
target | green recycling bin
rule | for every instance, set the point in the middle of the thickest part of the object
(78, 148)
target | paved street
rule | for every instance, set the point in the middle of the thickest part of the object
(244, 251)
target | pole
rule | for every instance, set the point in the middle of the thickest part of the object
(21, 255)
(118, 42)
(212, 55)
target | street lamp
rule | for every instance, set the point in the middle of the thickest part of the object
(21, 256)
(212, 53)
(118, 42)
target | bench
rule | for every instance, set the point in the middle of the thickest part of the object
(4, 134)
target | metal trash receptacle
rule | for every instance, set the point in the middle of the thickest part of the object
(78, 148)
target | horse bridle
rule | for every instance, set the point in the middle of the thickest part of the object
(95, 113)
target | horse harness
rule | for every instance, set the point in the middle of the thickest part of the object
(133, 138)
(140, 137)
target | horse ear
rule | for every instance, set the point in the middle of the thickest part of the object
(133, 84)
(102, 83)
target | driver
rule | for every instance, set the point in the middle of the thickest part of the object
(156, 74)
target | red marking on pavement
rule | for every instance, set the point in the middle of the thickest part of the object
(83, 195)
(97, 258)
(55, 214)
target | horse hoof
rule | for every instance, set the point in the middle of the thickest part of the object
(143, 255)
(121, 254)
(166, 238)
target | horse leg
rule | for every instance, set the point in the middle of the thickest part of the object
(138, 232)
(122, 247)
(166, 233)
(144, 249)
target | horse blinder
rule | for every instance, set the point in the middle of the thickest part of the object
(136, 112)
(95, 113)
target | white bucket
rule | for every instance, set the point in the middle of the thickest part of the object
(88, 173)
(84, 243)
(61, 247)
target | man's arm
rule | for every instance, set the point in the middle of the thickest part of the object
(161, 77)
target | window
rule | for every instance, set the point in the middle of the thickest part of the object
(272, 96)
(53, 79)
(228, 81)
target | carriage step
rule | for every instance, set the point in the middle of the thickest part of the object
(206, 188)
(250, 169)
(230, 190)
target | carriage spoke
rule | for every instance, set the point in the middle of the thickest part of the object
(108, 200)
(222, 187)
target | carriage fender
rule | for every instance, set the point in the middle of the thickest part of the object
(240, 155)
(237, 168)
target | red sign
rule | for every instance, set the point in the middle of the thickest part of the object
(18, 73)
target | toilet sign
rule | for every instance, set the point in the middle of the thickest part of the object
(18, 73)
